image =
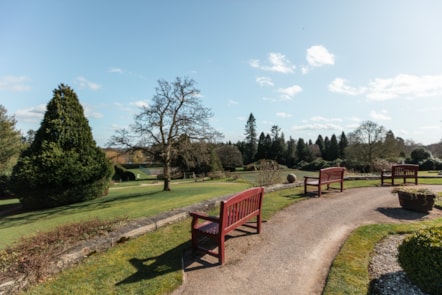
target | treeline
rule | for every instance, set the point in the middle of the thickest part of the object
(369, 148)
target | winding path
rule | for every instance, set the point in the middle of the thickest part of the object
(297, 246)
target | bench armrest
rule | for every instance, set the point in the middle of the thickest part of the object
(306, 178)
(196, 216)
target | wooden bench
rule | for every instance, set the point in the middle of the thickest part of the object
(403, 171)
(326, 177)
(236, 211)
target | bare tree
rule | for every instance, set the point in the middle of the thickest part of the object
(175, 112)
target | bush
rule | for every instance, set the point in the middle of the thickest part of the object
(420, 255)
(63, 165)
(122, 174)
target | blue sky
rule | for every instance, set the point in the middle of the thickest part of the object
(309, 67)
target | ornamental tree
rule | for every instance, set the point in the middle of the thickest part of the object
(63, 164)
(174, 113)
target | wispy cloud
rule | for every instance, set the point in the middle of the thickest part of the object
(265, 81)
(32, 114)
(289, 92)
(323, 119)
(115, 70)
(82, 82)
(380, 115)
(405, 85)
(277, 62)
(284, 115)
(90, 113)
(317, 123)
(401, 86)
(339, 85)
(317, 126)
(14, 83)
(232, 102)
(140, 104)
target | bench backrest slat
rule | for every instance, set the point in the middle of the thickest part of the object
(331, 173)
(240, 206)
(404, 170)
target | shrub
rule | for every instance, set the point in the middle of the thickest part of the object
(122, 174)
(63, 165)
(420, 255)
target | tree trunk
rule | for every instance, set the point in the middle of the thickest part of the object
(166, 186)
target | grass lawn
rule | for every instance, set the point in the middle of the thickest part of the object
(151, 264)
(131, 202)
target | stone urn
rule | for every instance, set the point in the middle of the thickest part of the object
(416, 199)
(291, 178)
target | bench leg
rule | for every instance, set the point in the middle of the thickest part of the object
(221, 257)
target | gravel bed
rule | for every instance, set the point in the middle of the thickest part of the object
(386, 274)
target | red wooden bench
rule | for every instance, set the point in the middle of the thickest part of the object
(234, 212)
(326, 177)
(403, 171)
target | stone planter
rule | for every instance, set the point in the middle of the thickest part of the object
(421, 202)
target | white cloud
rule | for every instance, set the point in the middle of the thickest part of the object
(322, 119)
(278, 62)
(84, 83)
(90, 113)
(284, 115)
(380, 116)
(405, 85)
(265, 81)
(289, 92)
(116, 70)
(31, 115)
(14, 83)
(232, 102)
(317, 126)
(318, 56)
(339, 85)
(140, 104)
(401, 86)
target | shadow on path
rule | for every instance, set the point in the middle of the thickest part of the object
(401, 214)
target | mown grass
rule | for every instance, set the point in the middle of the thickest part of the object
(130, 202)
(150, 264)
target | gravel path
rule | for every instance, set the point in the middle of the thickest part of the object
(294, 252)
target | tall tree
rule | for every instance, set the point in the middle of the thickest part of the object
(333, 149)
(63, 165)
(10, 147)
(175, 110)
(261, 151)
(320, 143)
(343, 143)
(302, 153)
(365, 143)
(10, 142)
(251, 140)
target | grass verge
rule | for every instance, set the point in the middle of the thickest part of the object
(349, 271)
(150, 264)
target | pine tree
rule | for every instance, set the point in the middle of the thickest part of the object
(251, 140)
(63, 165)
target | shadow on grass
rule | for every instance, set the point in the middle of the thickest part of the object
(151, 267)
